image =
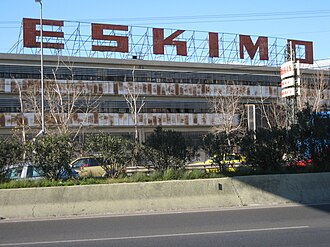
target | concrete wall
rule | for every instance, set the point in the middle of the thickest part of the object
(165, 196)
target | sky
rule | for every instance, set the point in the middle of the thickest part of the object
(301, 20)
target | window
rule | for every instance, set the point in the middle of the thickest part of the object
(94, 162)
(79, 163)
(15, 173)
(32, 172)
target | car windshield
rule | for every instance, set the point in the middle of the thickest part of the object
(87, 162)
(79, 163)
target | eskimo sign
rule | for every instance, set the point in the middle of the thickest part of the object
(159, 41)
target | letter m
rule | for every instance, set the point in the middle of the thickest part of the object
(245, 41)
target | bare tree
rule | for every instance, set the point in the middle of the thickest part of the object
(68, 98)
(22, 120)
(277, 113)
(314, 91)
(134, 102)
(228, 109)
(273, 111)
(64, 100)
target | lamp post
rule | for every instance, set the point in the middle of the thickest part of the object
(42, 131)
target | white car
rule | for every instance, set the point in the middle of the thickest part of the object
(28, 171)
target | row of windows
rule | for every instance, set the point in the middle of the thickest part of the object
(13, 106)
(122, 110)
(142, 79)
(97, 74)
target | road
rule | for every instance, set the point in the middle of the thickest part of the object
(274, 226)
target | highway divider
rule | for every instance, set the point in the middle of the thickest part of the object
(165, 196)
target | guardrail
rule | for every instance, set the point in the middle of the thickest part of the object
(130, 170)
(203, 167)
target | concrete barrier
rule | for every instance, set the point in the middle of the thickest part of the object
(164, 196)
(117, 198)
(306, 188)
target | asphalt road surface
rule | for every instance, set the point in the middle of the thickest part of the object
(275, 226)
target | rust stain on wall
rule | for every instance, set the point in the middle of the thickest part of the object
(2, 120)
(115, 88)
(195, 119)
(248, 91)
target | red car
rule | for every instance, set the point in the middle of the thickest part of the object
(301, 163)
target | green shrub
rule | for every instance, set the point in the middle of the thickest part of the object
(114, 152)
(193, 174)
(11, 153)
(168, 149)
(156, 176)
(139, 177)
(50, 155)
(171, 174)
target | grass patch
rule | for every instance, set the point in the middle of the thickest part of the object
(166, 175)
(170, 174)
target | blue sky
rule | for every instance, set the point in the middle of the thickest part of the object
(302, 20)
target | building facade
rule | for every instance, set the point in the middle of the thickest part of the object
(174, 95)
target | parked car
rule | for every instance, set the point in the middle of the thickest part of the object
(89, 166)
(231, 162)
(28, 171)
(301, 163)
(24, 171)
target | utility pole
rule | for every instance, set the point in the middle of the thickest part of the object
(42, 131)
